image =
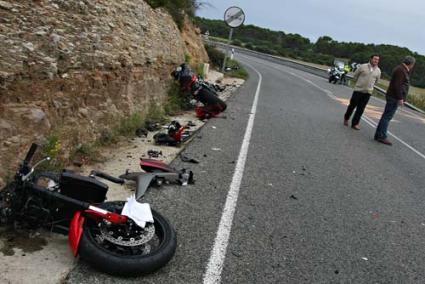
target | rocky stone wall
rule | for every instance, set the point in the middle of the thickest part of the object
(75, 66)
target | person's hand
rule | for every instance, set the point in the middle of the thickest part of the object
(401, 102)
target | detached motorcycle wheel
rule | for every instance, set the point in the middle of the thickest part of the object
(127, 250)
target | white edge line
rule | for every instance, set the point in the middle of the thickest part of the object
(407, 145)
(215, 264)
(374, 125)
(369, 121)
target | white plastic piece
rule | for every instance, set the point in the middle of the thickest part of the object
(139, 212)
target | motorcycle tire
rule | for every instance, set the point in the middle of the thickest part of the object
(123, 260)
(210, 98)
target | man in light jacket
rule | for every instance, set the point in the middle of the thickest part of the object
(365, 76)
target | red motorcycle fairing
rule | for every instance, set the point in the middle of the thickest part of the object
(75, 232)
(179, 133)
(150, 165)
(77, 222)
(203, 112)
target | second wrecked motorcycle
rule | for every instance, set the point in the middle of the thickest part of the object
(189, 82)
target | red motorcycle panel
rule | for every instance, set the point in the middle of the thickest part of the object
(75, 232)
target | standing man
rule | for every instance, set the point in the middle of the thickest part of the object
(365, 76)
(396, 96)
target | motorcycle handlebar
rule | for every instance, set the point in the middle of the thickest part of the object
(106, 176)
(30, 153)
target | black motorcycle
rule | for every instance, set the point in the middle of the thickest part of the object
(98, 231)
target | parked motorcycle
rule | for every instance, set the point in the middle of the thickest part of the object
(101, 233)
(336, 75)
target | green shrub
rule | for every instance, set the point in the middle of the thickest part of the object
(128, 125)
(215, 55)
(199, 69)
(107, 137)
(187, 58)
(249, 46)
(85, 149)
(177, 100)
(155, 113)
(176, 8)
(418, 101)
(51, 148)
(237, 42)
(237, 70)
(265, 49)
(86, 153)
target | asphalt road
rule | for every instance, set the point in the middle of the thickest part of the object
(318, 202)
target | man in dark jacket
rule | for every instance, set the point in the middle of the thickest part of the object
(396, 96)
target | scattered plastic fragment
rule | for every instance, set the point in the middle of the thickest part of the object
(154, 153)
(141, 132)
(188, 159)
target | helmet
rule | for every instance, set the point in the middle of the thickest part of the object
(178, 71)
(173, 127)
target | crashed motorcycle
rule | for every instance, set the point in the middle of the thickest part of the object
(212, 105)
(118, 238)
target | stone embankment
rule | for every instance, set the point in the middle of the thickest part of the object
(71, 68)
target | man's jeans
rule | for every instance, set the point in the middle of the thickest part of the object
(390, 109)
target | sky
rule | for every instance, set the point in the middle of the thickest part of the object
(400, 23)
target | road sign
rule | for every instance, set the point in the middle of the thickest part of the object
(234, 17)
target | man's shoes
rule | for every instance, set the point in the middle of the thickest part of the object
(345, 122)
(384, 141)
(356, 127)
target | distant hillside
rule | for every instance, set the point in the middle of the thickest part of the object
(323, 51)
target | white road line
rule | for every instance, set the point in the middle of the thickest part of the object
(218, 253)
(374, 125)
(407, 145)
(369, 121)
